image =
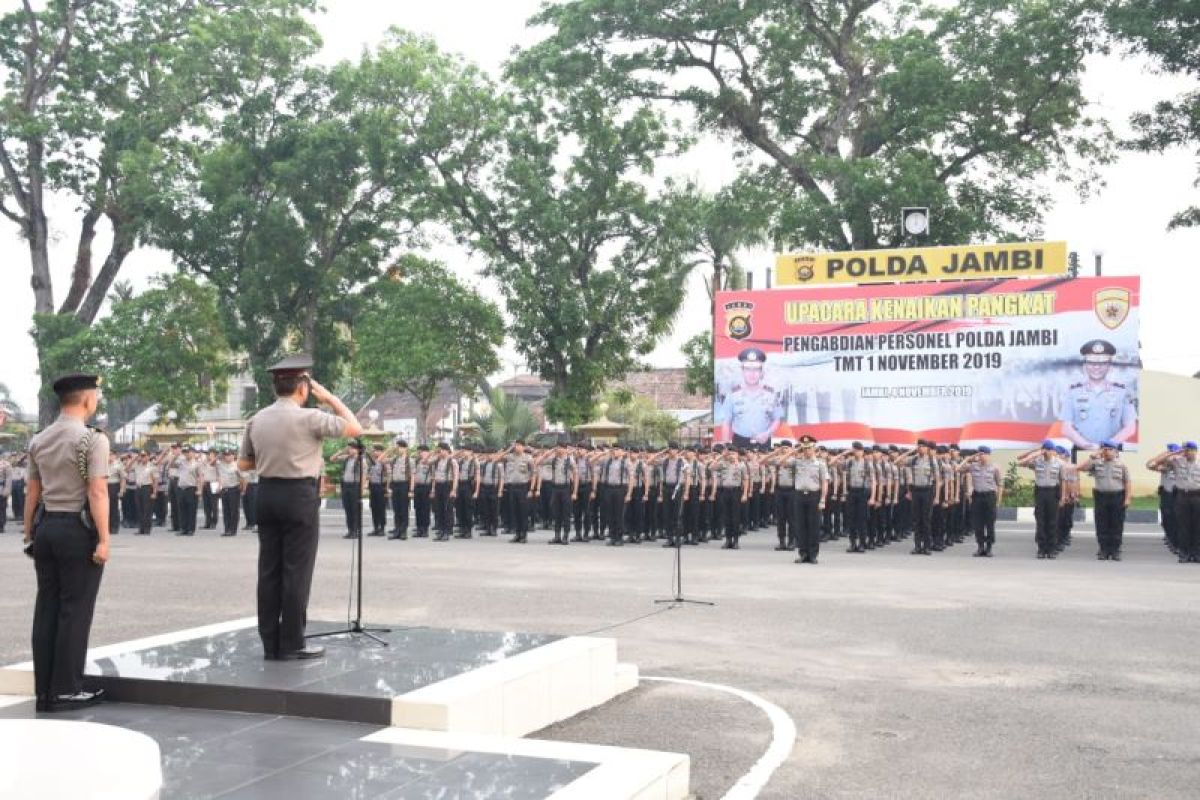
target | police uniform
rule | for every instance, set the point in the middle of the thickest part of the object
(113, 475)
(1187, 505)
(732, 479)
(924, 475)
(750, 412)
(583, 509)
(1047, 493)
(190, 478)
(377, 491)
(145, 481)
(785, 526)
(445, 480)
(860, 481)
(249, 479)
(19, 470)
(1098, 411)
(1111, 478)
(491, 494)
(422, 487)
(518, 473)
(615, 476)
(985, 484)
(1070, 492)
(352, 473)
(5, 490)
(562, 485)
(63, 458)
(810, 484)
(283, 441)
(400, 473)
(211, 491)
(468, 485)
(231, 495)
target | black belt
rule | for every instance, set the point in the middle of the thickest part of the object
(991, 492)
(1046, 488)
(1107, 493)
(808, 491)
(287, 481)
(61, 515)
(1188, 492)
(921, 488)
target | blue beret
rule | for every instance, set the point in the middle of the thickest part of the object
(1189, 446)
(1173, 448)
(1109, 443)
(983, 448)
(1062, 451)
(1047, 445)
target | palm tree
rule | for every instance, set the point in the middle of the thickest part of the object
(508, 419)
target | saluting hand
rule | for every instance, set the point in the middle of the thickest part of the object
(319, 392)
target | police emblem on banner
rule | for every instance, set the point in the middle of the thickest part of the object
(1112, 306)
(805, 268)
(737, 319)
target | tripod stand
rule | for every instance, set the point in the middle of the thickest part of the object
(355, 627)
(677, 574)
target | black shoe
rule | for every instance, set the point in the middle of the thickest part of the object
(916, 551)
(578, 538)
(228, 534)
(70, 702)
(1041, 555)
(375, 533)
(393, 537)
(978, 553)
(800, 561)
(349, 536)
(1115, 557)
(1051, 556)
(780, 548)
(555, 540)
(813, 560)
(303, 654)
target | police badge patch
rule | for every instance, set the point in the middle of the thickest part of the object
(1112, 306)
(737, 319)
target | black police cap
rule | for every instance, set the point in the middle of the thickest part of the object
(75, 382)
(293, 364)
(752, 355)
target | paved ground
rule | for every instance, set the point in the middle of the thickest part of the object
(947, 676)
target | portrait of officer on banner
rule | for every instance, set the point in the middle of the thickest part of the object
(1098, 409)
(749, 411)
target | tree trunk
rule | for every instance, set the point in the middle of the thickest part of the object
(423, 420)
(81, 274)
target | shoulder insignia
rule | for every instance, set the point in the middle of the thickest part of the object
(1118, 385)
(767, 388)
(1077, 385)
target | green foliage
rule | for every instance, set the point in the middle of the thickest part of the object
(552, 188)
(647, 423)
(1017, 491)
(1168, 31)
(698, 355)
(423, 329)
(842, 112)
(165, 346)
(506, 420)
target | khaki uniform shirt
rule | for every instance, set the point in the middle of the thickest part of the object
(54, 460)
(809, 474)
(1110, 476)
(284, 440)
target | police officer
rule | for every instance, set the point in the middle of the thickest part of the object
(5, 490)
(810, 488)
(1112, 493)
(1098, 409)
(1186, 470)
(468, 492)
(751, 412)
(144, 474)
(174, 464)
(250, 498)
(400, 478)
(491, 492)
(518, 474)
(986, 489)
(582, 511)
(1164, 465)
(1070, 497)
(1047, 496)
(115, 477)
(211, 491)
(445, 489)
(68, 466)
(230, 479)
(924, 485)
(859, 494)
(282, 443)
(352, 456)
(422, 490)
(190, 477)
(377, 490)
(615, 476)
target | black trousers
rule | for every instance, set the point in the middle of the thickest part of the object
(580, 510)
(443, 508)
(922, 516)
(210, 506)
(160, 505)
(489, 508)
(983, 518)
(129, 507)
(671, 504)
(188, 505)
(1066, 521)
(464, 506)
(729, 509)
(231, 507)
(1110, 520)
(561, 507)
(518, 508)
(352, 507)
(18, 499)
(400, 506)
(421, 507)
(173, 498)
(250, 504)
(612, 510)
(1045, 515)
(785, 525)
(378, 506)
(114, 508)
(67, 584)
(1187, 522)
(1167, 502)
(806, 522)
(145, 509)
(288, 524)
(856, 516)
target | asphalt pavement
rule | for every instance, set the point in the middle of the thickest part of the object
(907, 676)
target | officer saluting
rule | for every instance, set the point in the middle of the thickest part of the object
(1098, 409)
(68, 466)
(283, 444)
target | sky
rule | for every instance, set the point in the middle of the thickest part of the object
(1125, 220)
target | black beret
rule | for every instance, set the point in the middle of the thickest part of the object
(443, 446)
(857, 445)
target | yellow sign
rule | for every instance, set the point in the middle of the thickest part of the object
(910, 265)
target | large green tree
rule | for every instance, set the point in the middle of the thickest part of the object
(589, 258)
(309, 196)
(843, 111)
(165, 347)
(422, 329)
(1168, 31)
(101, 96)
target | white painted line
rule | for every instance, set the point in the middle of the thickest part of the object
(783, 738)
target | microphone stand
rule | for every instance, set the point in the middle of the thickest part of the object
(677, 576)
(355, 627)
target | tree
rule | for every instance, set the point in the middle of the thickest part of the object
(424, 329)
(309, 196)
(165, 346)
(100, 97)
(10, 407)
(506, 420)
(589, 260)
(647, 423)
(698, 357)
(1168, 31)
(843, 111)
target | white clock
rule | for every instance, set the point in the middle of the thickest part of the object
(916, 221)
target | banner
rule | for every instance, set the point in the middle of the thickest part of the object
(967, 262)
(1004, 363)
